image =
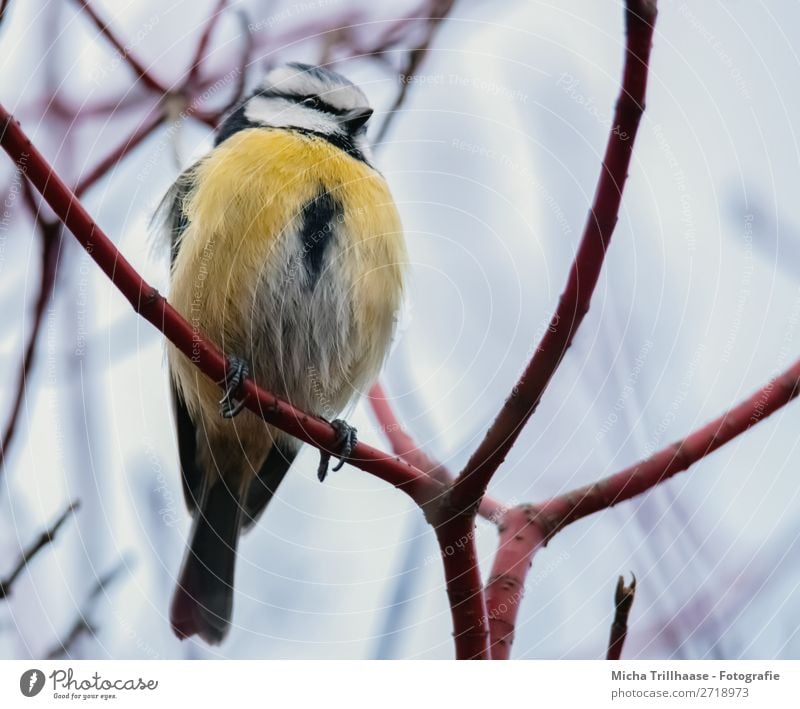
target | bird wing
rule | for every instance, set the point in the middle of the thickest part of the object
(172, 212)
(192, 475)
(170, 215)
(263, 487)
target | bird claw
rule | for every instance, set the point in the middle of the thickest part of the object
(347, 440)
(235, 373)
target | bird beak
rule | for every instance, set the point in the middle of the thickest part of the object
(355, 119)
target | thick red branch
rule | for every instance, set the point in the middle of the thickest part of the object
(585, 271)
(520, 538)
(456, 536)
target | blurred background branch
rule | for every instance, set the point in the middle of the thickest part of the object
(227, 52)
(46, 538)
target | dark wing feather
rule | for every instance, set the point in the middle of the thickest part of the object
(192, 475)
(262, 489)
(176, 221)
(170, 211)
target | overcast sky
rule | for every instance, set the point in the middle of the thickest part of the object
(493, 164)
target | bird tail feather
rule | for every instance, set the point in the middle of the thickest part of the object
(203, 600)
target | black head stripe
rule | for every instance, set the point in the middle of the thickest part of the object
(322, 105)
(235, 122)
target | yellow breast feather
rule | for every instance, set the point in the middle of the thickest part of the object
(250, 192)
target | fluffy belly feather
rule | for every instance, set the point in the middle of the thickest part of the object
(292, 259)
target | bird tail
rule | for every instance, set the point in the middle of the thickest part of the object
(203, 600)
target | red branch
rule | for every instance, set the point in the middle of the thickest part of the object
(623, 600)
(124, 52)
(574, 302)
(520, 539)
(456, 536)
(404, 446)
(113, 158)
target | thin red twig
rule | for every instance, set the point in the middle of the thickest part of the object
(623, 600)
(124, 51)
(113, 158)
(474, 479)
(214, 117)
(416, 55)
(397, 29)
(202, 45)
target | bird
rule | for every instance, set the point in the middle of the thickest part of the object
(287, 252)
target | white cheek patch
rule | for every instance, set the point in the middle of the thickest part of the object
(344, 97)
(280, 112)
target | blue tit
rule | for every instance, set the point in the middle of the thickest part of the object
(288, 253)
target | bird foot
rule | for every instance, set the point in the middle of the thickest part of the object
(346, 441)
(235, 373)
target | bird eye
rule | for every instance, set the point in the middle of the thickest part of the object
(311, 102)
